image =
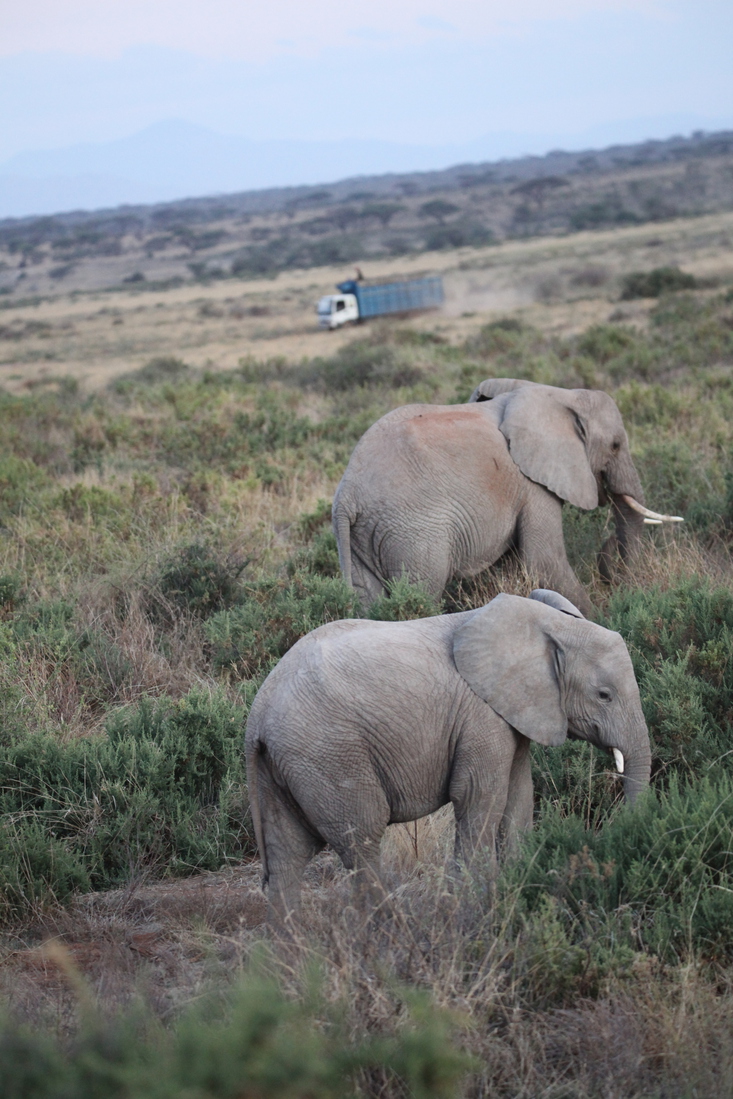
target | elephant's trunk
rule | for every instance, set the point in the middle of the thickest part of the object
(626, 542)
(629, 526)
(637, 769)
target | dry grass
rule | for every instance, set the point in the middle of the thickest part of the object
(659, 1032)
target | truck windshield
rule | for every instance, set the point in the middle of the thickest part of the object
(324, 305)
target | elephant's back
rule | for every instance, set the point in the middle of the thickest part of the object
(443, 447)
(336, 663)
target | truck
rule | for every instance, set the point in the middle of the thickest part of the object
(357, 299)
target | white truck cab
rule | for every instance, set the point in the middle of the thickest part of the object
(337, 309)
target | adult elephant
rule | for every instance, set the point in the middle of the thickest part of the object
(364, 724)
(442, 491)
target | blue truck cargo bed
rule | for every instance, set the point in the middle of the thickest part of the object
(395, 297)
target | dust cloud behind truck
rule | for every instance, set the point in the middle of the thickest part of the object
(357, 300)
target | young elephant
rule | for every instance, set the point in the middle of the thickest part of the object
(364, 724)
(444, 491)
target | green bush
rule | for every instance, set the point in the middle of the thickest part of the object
(164, 788)
(163, 368)
(403, 602)
(288, 251)
(98, 506)
(603, 342)
(46, 635)
(650, 284)
(365, 363)
(681, 644)
(676, 477)
(320, 556)
(196, 579)
(276, 612)
(258, 1043)
(10, 591)
(20, 482)
(657, 878)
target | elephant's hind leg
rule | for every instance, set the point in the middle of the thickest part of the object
(289, 847)
(358, 847)
(367, 585)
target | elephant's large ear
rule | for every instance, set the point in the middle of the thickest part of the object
(547, 440)
(508, 655)
(494, 387)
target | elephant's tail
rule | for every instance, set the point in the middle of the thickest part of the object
(252, 754)
(342, 530)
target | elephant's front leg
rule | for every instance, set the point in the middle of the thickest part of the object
(541, 544)
(519, 807)
(478, 790)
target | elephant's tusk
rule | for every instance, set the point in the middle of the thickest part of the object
(654, 522)
(641, 510)
(618, 758)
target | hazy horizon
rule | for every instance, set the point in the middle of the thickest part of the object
(438, 81)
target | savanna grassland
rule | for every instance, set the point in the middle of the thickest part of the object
(167, 460)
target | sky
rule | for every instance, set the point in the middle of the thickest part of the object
(411, 72)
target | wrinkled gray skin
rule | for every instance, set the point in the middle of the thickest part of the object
(443, 491)
(364, 724)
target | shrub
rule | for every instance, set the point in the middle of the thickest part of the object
(99, 506)
(505, 340)
(603, 342)
(163, 789)
(314, 522)
(250, 638)
(10, 592)
(258, 1043)
(681, 644)
(365, 363)
(20, 482)
(69, 665)
(675, 477)
(196, 579)
(320, 556)
(163, 368)
(659, 877)
(650, 284)
(404, 601)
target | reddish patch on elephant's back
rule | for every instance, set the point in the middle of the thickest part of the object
(470, 441)
(446, 417)
(448, 428)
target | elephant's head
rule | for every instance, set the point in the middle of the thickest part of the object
(573, 442)
(549, 672)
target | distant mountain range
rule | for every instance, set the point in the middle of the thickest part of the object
(175, 160)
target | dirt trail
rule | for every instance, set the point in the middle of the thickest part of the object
(561, 284)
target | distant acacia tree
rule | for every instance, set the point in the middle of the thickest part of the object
(382, 211)
(537, 190)
(439, 209)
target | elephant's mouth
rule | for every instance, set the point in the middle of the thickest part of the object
(594, 738)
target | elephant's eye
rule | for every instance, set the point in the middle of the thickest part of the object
(615, 444)
(605, 696)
